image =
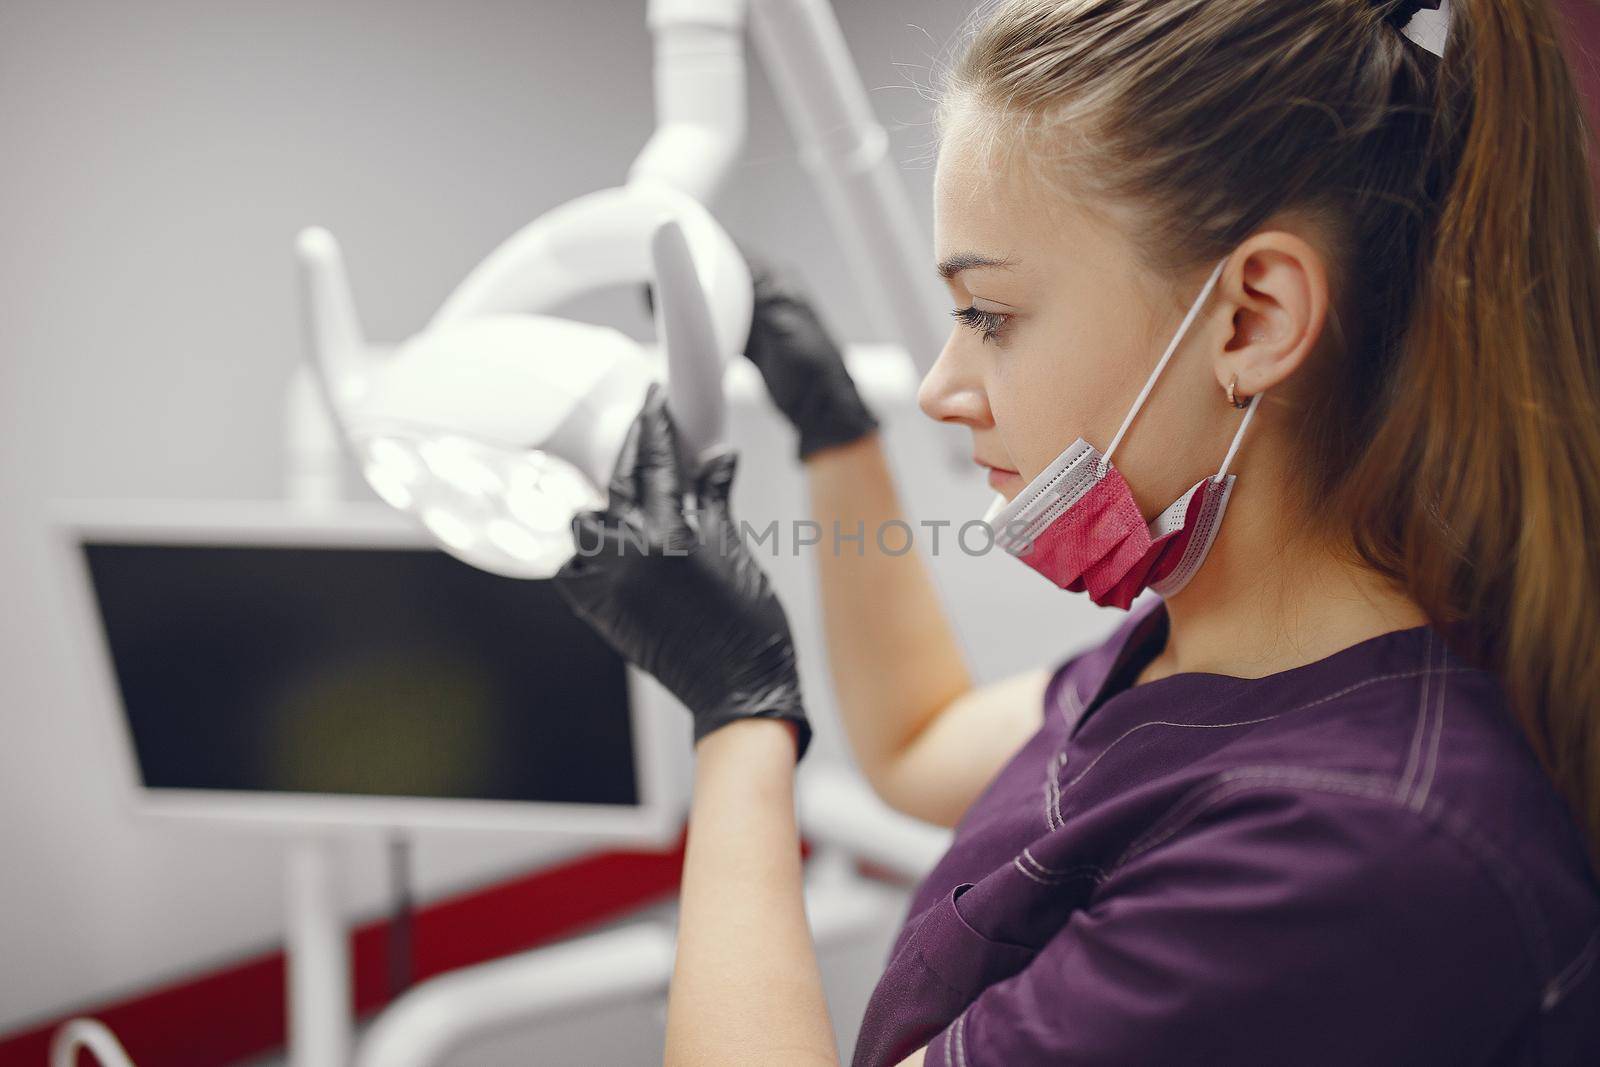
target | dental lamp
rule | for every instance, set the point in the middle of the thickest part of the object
(493, 426)
(499, 421)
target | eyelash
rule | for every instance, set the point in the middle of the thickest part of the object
(987, 323)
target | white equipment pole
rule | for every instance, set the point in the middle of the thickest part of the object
(846, 151)
(319, 997)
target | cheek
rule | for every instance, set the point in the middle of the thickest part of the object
(1072, 381)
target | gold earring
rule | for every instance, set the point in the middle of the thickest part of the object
(1234, 400)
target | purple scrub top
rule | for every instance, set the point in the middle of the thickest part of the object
(1354, 861)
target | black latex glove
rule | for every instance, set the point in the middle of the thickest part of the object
(803, 367)
(674, 589)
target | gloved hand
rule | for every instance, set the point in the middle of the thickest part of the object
(675, 590)
(803, 367)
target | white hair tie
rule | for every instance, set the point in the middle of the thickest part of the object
(1426, 23)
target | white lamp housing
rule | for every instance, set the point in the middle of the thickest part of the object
(496, 424)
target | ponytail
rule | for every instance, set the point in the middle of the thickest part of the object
(1480, 491)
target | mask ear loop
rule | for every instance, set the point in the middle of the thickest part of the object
(1150, 383)
(1238, 438)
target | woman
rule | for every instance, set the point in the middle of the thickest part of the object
(1332, 796)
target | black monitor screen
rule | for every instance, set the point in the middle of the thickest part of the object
(394, 672)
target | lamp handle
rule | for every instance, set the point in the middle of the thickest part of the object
(684, 326)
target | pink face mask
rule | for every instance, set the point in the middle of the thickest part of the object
(1078, 524)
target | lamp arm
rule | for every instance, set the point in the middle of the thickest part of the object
(846, 151)
(700, 96)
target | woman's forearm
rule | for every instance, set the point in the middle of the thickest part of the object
(895, 659)
(745, 985)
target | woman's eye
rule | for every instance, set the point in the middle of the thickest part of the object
(987, 323)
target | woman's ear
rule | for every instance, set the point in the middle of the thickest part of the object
(1276, 290)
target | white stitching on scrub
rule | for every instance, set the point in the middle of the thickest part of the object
(1049, 784)
(1055, 875)
(1571, 974)
(1071, 692)
(1505, 874)
(1160, 722)
(1415, 755)
(959, 1028)
(1249, 722)
(1420, 796)
(1017, 863)
(1189, 809)
(1058, 760)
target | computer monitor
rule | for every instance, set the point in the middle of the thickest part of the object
(273, 663)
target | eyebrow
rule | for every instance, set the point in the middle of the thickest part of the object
(967, 261)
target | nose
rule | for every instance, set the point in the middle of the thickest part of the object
(953, 391)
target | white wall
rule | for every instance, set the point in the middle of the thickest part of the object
(158, 159)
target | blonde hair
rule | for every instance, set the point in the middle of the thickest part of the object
(1459, 433)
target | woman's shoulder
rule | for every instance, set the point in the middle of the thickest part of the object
(1329, 877)
(1417, 785)
(1396, 731)
(1437, 742)
(1399, 718)
(1393, 765)
(1260, 883)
